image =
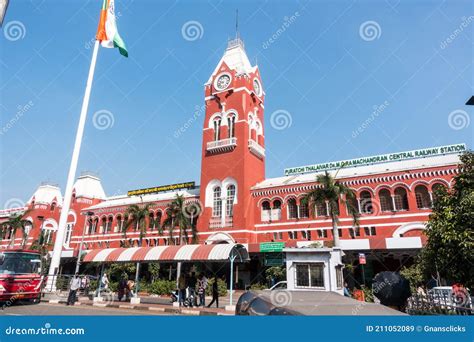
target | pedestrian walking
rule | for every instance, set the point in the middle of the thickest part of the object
(181, 289)
(85, 283)
(104, 282)
(75, 285)
(192, 284)
(122, 287)
(202, 286)
(215, 294)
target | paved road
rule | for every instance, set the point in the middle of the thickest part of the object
(45, 309)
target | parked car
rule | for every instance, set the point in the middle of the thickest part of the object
(281, 285)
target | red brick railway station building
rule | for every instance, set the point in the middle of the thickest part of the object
(239, 205)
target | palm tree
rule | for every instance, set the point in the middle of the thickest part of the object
(14, 223)
(330, 191)
(138, 217)
(181, 214)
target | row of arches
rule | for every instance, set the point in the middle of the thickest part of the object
(367, 202)
(115, 223)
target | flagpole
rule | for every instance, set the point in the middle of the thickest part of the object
(58, 243)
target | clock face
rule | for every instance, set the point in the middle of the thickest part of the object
(222, 82)
(257, 87)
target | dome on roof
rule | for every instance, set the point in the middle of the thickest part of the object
(89, 186)
(47, 193)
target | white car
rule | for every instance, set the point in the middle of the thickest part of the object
(281, 285)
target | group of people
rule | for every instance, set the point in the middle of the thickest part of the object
(75, 284)
(195, 288)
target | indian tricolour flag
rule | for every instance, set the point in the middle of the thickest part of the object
(107, 32)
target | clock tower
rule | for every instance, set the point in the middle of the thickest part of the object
(233, 147)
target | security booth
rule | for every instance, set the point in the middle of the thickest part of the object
(225, 253)
(314, 269)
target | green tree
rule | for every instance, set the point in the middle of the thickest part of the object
(42, 246)
(137, 217)
(181, 214)
(13, 224)
(331, 191)
(450, 228)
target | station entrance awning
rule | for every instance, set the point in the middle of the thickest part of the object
(217, 252)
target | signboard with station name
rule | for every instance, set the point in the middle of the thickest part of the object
(266, 247)
(163, 188)
(383, 158)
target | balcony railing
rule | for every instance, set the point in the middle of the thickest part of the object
(256, 149)
(216, 222)
(271, 215)
(222, 145)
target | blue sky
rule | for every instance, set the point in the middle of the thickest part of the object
(324, 71)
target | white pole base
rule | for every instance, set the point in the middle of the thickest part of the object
(230, 308)
(135, 300)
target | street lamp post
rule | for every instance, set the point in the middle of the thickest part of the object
(88, 214)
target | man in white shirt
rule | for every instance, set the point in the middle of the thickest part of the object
(75, 285)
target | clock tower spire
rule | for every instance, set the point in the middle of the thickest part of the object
(233, 146)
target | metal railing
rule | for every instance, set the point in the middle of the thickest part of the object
(221, 145)
(439, 304)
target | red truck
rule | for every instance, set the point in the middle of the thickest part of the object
(20, 277)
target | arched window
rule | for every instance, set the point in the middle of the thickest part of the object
(423, 200)
(277, 204)
(265, 205)
(158, 219)
(104, 224)
(118, 227)
(322, 209)
(231, 125)
(108, 228)
(386, 203)
(217, 202)
(53, 206)
(93, 226)
(151, 221)
(401, 198)
(303, 208)
(292, 209)
(229, 211)
(217, 129)
(365, 203)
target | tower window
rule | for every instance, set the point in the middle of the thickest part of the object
(217, 203)
(231, 124)
(217, 129)
(230, 200)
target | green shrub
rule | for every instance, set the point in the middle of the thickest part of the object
(113, 286)
(221, 287)
(258, 286)
(276, 272)
(162, 287)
